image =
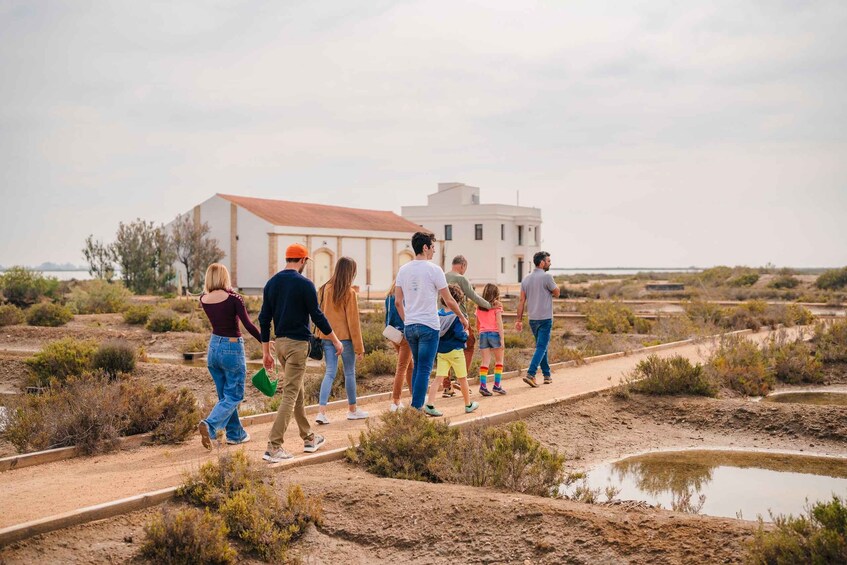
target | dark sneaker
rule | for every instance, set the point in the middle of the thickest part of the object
(312, 445)
(548, 380)
(205, 438)
(498, 389)
(530, 380)
(483, 390)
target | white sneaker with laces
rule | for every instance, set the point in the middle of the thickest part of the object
(276, 455)
(359, 414)
(321, 418)
(396, 407)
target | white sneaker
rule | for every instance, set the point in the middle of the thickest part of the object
(396, 407)
(276, 455)
(359, 414)
(321, 418)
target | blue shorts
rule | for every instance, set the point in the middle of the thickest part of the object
(489, 340)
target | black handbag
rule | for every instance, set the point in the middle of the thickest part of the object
(316, 346)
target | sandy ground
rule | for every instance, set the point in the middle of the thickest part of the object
(369, 519)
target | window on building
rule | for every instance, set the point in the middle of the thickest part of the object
(502, 232)
(537, 238)
(477, 232)
(502, 264)
(520, 235)
(448, 232)
(474, 198)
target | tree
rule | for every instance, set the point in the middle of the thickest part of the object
(100, 257)
(194, 249)
(145, 255)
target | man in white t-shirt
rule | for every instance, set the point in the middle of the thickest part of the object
(418, 286)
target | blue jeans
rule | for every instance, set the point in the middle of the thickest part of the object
(541, 330)
(423, 341)
(348, 356)
(225, 360)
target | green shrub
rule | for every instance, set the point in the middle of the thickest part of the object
(740, 365)
(138, 314)
(216, 481)
(98, 297)
(23, 287)
(792, 361)
(372, 337)
(114, 357)
(819, 536)
(747, 279)
(187, 536)
(715, 276)
(642, 326)
(11, 315)
(168, 321)
(831, 341)
(833, 279)
(675, 375)
(61, 359)
(48, 315)
(784, 281)
(402, 445)
(184, 306)
(703, 313)
(608, 317)
(194, 344)
(378, 362)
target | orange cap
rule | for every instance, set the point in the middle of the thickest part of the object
(296, 251)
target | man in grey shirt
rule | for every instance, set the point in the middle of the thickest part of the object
(457, 276)
(537, 292)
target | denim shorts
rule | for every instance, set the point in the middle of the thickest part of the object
(489, 340)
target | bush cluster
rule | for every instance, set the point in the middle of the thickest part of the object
(114, 358)
(11, 315)
(740, 365)
(372, 336)
(138, 314)
(831, 342)
(168, 321)
(377, 362)
(608, 317)
(674, 375)
(61, 359)
(784, 281)
(91, 411)
(189, 535)
(184, 306)
(792, 362)
(195, 344)
(747, 279)
(819, 536)
(48, 314)
(408, 445)
(833, 279)
(98, 297)
(245, 499)
(23, 287)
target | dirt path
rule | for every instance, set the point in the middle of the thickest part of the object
(46, 490)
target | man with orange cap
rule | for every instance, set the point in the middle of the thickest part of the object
(289, 301)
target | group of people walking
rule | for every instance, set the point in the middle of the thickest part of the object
(428, 335)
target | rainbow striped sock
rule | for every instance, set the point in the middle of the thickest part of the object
(498, 374)
(483, 376)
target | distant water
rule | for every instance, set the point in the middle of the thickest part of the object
(68, 275)
(621, 270)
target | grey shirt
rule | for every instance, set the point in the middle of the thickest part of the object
(455, 278)
(538, 286)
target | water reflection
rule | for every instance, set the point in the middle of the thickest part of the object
(818, 398)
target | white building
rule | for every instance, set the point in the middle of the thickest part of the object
(254, 233)
(497, 239)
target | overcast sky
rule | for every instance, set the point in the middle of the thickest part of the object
(667, 134)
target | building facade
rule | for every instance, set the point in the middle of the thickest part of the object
(254, 233)
(498, 240)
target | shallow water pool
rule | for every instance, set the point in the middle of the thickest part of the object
(818, 398)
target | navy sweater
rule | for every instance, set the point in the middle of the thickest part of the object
(289, 300)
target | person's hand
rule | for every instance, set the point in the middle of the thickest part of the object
(519, 326)
(268, 361)
(360, 357)
(464, 322)
(339, 347)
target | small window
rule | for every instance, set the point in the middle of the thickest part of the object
(537, 240)
(520, 235)
(448, 232)
(477, 232)
(474, 198)
(502, 264)
(502, 232)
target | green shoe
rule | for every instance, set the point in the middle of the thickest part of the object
(431, 411)
(471, 407)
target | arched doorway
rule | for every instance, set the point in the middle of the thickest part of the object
(322, 266)
(404, 257)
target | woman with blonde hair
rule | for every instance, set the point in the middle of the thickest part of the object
(225, 357)
(404, 354)
(340, 304)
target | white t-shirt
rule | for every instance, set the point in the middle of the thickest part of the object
(421, 281)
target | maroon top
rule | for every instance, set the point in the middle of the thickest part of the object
(224, 317)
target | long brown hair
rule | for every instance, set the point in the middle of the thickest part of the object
(342, 280)
(490, 293)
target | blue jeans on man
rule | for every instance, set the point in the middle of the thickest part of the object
(423, 341)
(225, 360)
(541, 331)
(348, 357)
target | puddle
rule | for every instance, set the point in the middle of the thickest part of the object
(730, 484)
(818, 398)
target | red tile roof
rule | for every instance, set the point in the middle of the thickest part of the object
(302, 214)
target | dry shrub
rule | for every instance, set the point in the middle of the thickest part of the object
(253, 350)
(833, 279)
(216, 481)
(98, 297)
(518, 340)
(11, 315)
(784, 281)
(558, 352)
(703, 313)
(187, 536)
(818, 536)
(831, 342)
(168, 321)
(602, 344)
(194, 344)
(184, 306)
(372, 336)
(506, 458)
(642, 326)
(253, 304)
(114, 357)
(170, 416)
(608, 317)
(402, 445)
(378, 362)
(674, 328)
(138, 314)
(792, 361)
(738, 364)
(515, 360)
(49, 315)
(675, 375)
(61, 359)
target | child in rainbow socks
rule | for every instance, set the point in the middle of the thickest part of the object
(491, 339)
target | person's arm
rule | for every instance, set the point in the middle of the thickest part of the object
(552, 286)
(469, 291)
(265, 316)
(355, 325)
(241, 312)
(398, 302)
(500, 327)
(451, 303)
(521, 306)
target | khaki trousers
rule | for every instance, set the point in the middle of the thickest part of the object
(292, 355)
